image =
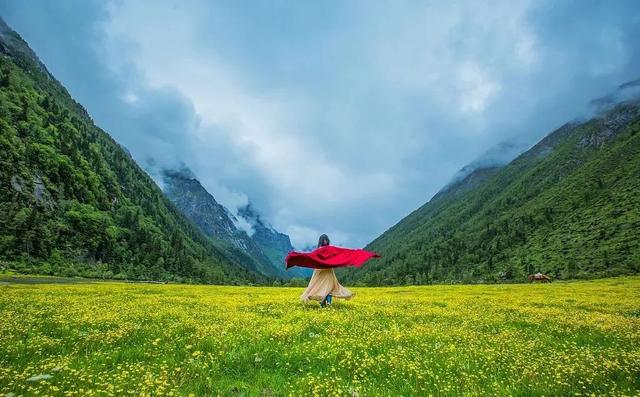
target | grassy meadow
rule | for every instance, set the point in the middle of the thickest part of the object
(118, 339)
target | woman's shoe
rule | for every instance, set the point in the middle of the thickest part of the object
(326, 301)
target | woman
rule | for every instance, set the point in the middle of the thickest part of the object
(324, 285)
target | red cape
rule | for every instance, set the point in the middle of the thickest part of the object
(329, 256)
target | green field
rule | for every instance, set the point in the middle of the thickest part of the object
(79, 339)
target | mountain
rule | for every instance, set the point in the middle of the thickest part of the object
(262, 251)
(73, 202)
(216, 221)
(568, 207)
(274, 244)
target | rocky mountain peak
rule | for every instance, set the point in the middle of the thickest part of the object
(265, 245)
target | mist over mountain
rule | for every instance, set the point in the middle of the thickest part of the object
(73, 202)
(568, 207)
(258, 244)
(504, 152)
(227, 90)
(274, 244)
(629, 91)
(495, 157)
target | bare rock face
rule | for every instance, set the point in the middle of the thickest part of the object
(17, 183)
(610, 124)
(215, 220)
(39, 193)
(39, 190)
(194, 201)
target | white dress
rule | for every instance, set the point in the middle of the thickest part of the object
(324, 282)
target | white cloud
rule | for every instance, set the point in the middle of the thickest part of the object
(130, 97)
(526, 50)
(335, 118)
(342, 130)
(297, 171)
(476, 88)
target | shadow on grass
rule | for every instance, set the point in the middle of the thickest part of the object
(335, 307)
(43, 280)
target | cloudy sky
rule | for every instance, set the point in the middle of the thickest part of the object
(337, 117)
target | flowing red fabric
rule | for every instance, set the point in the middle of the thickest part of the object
(329, 256)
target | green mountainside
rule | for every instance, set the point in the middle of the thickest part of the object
(568, 207)
(73, 202)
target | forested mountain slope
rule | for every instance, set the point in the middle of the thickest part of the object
(569, 206)
(72, 201)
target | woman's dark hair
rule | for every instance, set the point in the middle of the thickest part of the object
(322, 239)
